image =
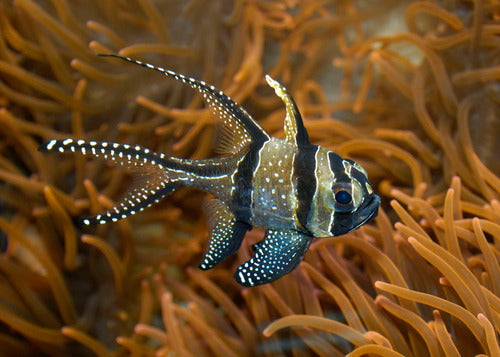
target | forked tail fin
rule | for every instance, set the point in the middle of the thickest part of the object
(155, 175)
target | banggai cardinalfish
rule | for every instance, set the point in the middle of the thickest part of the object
(290, 187)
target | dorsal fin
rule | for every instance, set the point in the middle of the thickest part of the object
(295, 130)
(237, 128)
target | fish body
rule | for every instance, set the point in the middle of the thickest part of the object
(290, 187)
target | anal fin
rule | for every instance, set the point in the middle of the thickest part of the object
(226, 233)
(278, 254)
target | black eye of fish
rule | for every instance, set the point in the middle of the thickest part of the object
(343, 197)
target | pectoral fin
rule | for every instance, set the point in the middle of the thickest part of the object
(226, 233)
(295, 131)
(278, 254)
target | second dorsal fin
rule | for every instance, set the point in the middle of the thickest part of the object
(236, 128)
(295, 130)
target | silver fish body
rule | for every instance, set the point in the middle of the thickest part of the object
(290, 187)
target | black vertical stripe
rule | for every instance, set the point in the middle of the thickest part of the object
(337, 167)
(242, 196)
(301, 136)
(305, 178)
(341, 220)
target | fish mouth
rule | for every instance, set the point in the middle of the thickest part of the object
(349, 221)
(367, 211)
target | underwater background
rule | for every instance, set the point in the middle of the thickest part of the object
(410, 89)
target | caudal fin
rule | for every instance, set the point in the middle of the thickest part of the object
(153, 178)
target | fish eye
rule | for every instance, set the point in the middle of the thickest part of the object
(343, 197)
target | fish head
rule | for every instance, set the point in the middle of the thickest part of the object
(353, 201)
(344, 200)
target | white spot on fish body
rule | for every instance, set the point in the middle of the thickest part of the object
(51, 144)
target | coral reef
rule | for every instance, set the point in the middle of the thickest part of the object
(408, 89)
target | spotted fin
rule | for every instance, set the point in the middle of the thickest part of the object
(278, 254)
(295, 131)
(152, 180)
(236, 128)
(226, 233)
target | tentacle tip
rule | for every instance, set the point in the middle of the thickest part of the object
(267, 332)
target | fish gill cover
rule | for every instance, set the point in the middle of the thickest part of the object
(407, 89)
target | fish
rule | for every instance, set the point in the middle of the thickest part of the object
(293, 189)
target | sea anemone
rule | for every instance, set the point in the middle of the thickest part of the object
(408, 89)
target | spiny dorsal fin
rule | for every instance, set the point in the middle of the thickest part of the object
(295, 131)
(237, 128)
(151, 179)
